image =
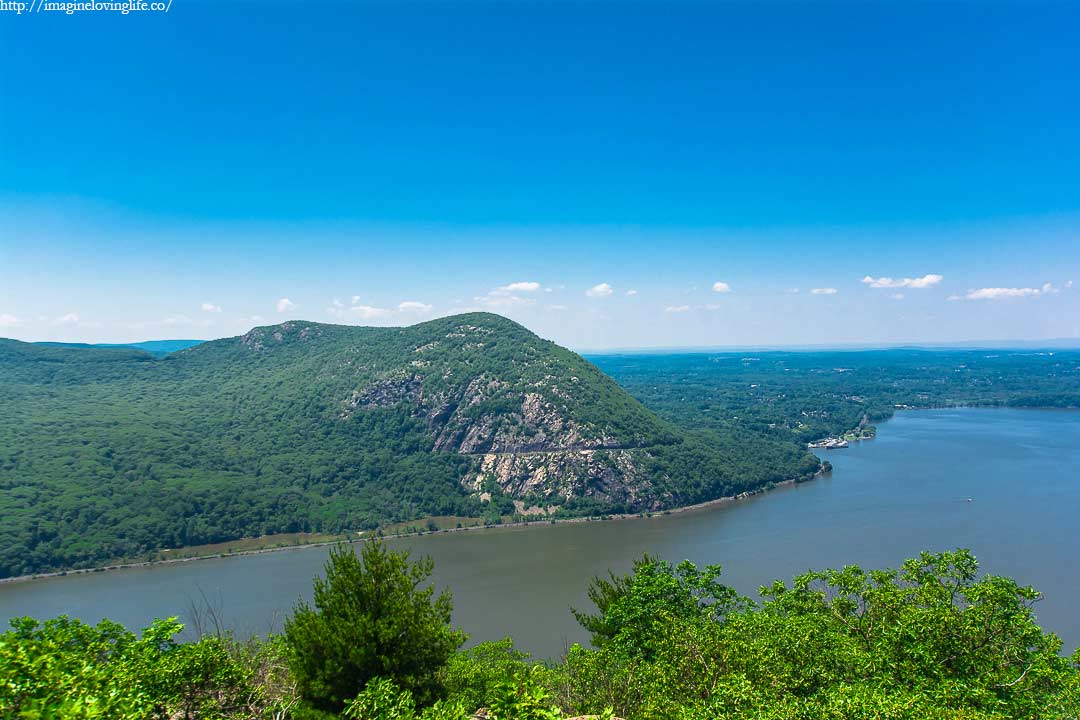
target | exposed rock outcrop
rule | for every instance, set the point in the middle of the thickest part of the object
(614, 476)
(524, 441)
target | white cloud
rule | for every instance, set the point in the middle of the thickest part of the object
(285, 305)
(897, 296)
(501, 303)
(792, 291)
(1002, 293)
(997, 293)
(7, 320)
(355, 299)
(556, 308)
(520, 286)
(68, 319)
(823, 291)
(677, 308)
(256, 318)
(507, 297)
(924, 282)
(721, 287)
(631, 293)
(954, 298)
(498, 301)
(914, 283)
(358, 312)
(367, 312)
(1068, 284)
(601, 290)
(210, 307)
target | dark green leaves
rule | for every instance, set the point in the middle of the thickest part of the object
(373, 616)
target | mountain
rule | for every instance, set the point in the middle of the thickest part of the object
(154, 347)
(112, 453)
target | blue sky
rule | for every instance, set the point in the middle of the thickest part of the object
(592, 169)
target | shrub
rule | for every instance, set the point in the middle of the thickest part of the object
(472, 675)
(383, 700)
(373, 616)
(64, 668)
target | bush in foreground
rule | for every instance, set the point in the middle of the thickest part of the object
(65, 668)
(373, 616)
(929, 640)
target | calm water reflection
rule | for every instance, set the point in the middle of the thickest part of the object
(1001, 482)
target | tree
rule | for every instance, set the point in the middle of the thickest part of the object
(373, 616)
(637, 610)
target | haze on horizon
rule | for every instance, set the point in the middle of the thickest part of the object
(611, 177)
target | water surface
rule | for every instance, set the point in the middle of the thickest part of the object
(1001, 482)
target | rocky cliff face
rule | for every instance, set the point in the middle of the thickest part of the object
(523, 433)
(549, 477)
(522, 442)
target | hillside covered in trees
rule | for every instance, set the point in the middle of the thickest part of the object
(116, 453)
(110, 453)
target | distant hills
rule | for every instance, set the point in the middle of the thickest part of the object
(115, 452)
(157, 348)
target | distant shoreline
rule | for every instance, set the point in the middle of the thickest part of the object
(393, 536)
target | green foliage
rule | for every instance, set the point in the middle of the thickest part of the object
(492, 676)
(383, 700)
(794, 397)
(930, 640)
(473, 674)
(64, 668)
(301, 427)
(115, 453)
(519, 695)
(523, 696)
(373, 617)
(636, 611)
(268, 689)
(933, 628)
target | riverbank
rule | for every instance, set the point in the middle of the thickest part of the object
(884, 501)
(228, 549)
(301, 541)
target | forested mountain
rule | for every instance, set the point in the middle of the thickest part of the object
(111, 453)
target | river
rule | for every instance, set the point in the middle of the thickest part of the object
(1002, 482)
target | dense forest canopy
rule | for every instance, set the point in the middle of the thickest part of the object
(112, 453)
